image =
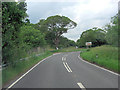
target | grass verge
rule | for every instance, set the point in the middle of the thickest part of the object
(70, 49)
(10, 72)
(105, 56)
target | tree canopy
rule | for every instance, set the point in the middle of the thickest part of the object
(13, 14)
(58, 25)
(108, 35)
(32, 36)
(94, 35)
(112, 31)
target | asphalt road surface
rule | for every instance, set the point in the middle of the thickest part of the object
(66, 70)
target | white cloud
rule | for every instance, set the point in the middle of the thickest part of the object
(96, 13)
(82, 1)
(86, 13)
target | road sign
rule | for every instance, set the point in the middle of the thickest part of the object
(88, 43)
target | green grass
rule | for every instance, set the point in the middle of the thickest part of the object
(69, 49)
(10, 72)
(107, 56)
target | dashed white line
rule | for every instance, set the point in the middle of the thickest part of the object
(63, 58)
(81, 86)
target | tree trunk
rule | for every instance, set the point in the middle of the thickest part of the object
(56, 42)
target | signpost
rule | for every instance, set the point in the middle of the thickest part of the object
(88, 44)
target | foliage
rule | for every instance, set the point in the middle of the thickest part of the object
(94, 35)
(31, 36)
(49, 37)
(109, 35)
(65, 42)
(13, 14)
(112, 31)
(27, 21)
(57, 25)
(41, 26)
(53, 27)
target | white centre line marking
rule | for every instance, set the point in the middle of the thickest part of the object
(66, 67)
(62, 58)
(81, 86)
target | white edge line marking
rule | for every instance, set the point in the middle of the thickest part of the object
(81, 86)
(99, 67)
(66, 67)
(29, 71)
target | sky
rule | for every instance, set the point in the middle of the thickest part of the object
(86, 13)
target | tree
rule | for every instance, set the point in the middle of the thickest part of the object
(100, 37)
(27, 21)
(13, 14)
(65, 42)
(58, 25)
(72, 43)
(112, 31)
(40, 26)
(31, 36)
(94, 35)
(49, 36)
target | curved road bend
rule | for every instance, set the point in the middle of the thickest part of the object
(66, 70)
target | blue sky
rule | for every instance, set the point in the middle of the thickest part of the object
(86, 13)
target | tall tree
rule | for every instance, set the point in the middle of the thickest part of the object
(112, 31)
(65, 42)
(13, 14)
(40, 26)
(94, 35)
(58, 25)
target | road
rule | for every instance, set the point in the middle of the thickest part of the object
(66, 70)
